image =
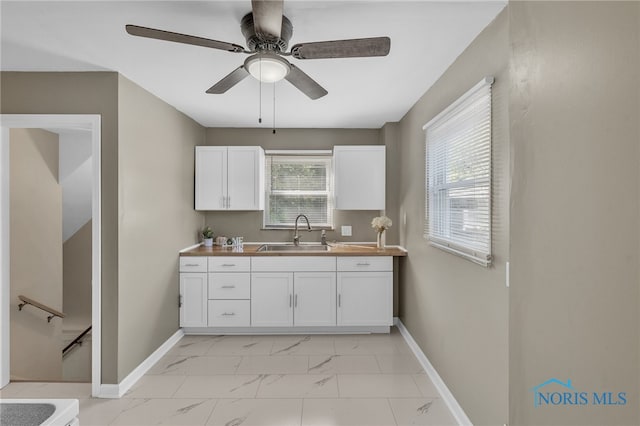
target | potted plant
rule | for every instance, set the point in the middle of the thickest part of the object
(207, 236)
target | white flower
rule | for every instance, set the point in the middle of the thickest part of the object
(381, 223)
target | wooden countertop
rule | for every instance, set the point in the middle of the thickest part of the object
(335, 249)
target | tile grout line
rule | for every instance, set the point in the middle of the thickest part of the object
(215, 405)
(392, 412)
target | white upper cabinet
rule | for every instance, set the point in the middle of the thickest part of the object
(360, 177)
(211, 177)
(245, 178)
(229, 178)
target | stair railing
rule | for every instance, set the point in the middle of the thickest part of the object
(76, 341)
(28, 301)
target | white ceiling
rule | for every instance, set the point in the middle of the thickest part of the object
(426, 37)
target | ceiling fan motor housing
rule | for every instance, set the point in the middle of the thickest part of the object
(257, 43)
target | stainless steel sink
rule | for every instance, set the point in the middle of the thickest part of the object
(291, 247)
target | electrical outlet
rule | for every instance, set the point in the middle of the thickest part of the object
(345, 230)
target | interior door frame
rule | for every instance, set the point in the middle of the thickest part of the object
(91, 122)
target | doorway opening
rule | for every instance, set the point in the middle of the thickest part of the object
(50, 250)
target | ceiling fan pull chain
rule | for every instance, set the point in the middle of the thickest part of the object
(274, 108)
(260, 96)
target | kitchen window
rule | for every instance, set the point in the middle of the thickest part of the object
(298, 184)
(458, 176)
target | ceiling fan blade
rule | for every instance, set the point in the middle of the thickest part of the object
(231, 79)
(304, 83)
(267, 18)
(353, 48)
(182, 38)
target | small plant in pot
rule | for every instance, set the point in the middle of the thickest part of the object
(207, 236)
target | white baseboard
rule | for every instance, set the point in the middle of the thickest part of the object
(117, 391)
(455, 408)
(109, 391)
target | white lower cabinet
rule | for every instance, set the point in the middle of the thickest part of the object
(229, 292)
(285, 299)
(286, 291)
(314, 299)
(365, 291)
(272, 299)
(193, 299)
(365, 298)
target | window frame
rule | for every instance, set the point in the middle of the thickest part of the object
(466, 245)
(311, 155)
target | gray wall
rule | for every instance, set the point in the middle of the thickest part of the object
(76, 269)
(574, 112)
(36, 254)
(249, 224)
(83, 93)
(456, 310)
(155, 179)
(146, 218)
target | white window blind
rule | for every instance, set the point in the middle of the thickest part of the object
(297, 184)
(458, 176)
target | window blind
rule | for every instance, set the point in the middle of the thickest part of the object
(458, 176)
(296, 185)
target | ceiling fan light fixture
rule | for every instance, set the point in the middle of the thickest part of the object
(267, 67)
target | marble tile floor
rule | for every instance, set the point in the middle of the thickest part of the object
(316, 380)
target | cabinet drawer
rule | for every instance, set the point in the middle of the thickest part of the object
(229, 313)
(193, 264)
(365, 263)
(229, 285)
(293, 264)
(229, 264)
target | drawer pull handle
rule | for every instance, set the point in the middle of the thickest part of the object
(191, 264)
(363, 264)
(295, 301)
(339, 300)
(290, 297)
(228, 314)
(228, 286)
(226, 265)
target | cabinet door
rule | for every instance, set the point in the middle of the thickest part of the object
(365, 298)
(360, 177)
(245, 176)
(314, 299)
(211, 177)
(272, 299)
(193, 297)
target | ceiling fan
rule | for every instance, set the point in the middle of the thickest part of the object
(268, 32)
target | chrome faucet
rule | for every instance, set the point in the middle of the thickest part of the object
(296, 237)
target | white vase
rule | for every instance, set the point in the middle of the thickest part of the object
(380, 243)
(208, 242)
